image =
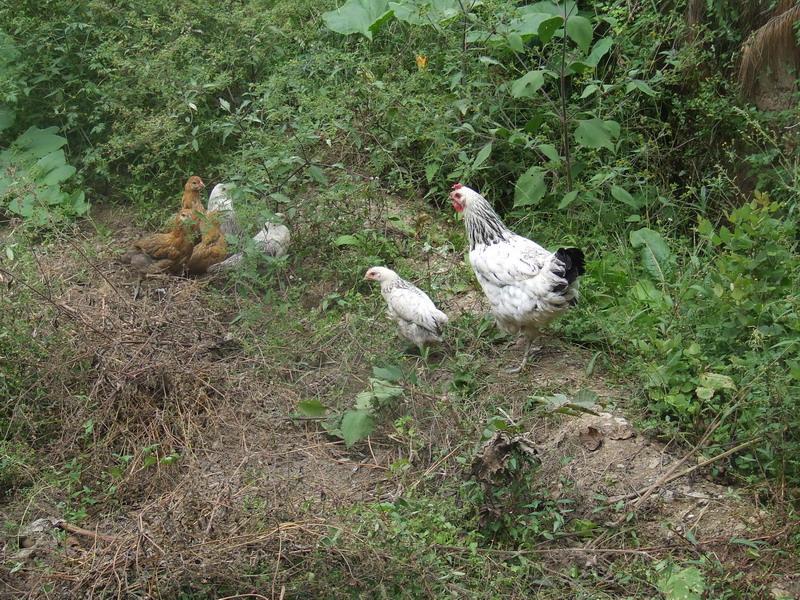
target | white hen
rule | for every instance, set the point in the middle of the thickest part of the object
(220, 200)
(414, 312)
(526, 285)
(273, 240)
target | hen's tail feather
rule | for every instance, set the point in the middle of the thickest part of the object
(573, 263)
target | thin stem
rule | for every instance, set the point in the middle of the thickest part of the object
(564, 120)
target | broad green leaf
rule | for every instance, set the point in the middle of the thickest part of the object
(356, 425)
(482, 155)
(527, 85)
(655, 252)
(599, 50)
(358, 16)
(594, 133)
(312, 408)
(568, 199)
(685, 584)
(39, 142)
(347, 240)
(716, 381)
(515, 42)
(548, 27)
(623, 196)
(550, 152)
(579, 29)
(530, 188)
(589, 90)
(528, 24)
(59, 174)
(391, 373)
(425, 12)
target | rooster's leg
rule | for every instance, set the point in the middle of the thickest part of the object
(530, 350)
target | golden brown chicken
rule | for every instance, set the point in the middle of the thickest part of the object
(164, 252)
(212, 247)
(191, 194)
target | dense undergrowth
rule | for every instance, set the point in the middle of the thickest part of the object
(623, 134)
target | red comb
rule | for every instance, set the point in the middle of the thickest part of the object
(457, 186)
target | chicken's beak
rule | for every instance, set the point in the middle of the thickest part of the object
(458, 200)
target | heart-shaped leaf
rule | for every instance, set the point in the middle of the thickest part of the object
(579, 30)
(527, 85)
(356, 425)
(530, 188)
(358, 16)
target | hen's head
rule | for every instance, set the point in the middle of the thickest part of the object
(463, 197)
(380, 274)
(194, 184)
(220, 198)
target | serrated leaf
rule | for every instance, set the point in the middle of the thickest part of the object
(530, 188)
(391, 373)
(317, 174)
(580, 31)
(482, 155)
(311, 408)
(595, 133)
(356, 425)
(685, 584)
(527, 85)
(431, 169)
(358, 16)
(655, 252)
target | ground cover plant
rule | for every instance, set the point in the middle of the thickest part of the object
(265, 433)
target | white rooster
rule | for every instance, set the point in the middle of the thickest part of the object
(526, 285)
(414, 312)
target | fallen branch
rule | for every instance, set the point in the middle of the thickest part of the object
(69, 527)
(670, 476)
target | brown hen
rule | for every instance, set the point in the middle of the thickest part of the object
(164, 252)
(212, 247)
(191, 194)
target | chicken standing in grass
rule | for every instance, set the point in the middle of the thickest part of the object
(526, 285)
(163, 252)
(191, 194)
(273, 240)
(416, 316)
(212, 248)
(221, 202)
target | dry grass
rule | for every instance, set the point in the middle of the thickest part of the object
(772, 46)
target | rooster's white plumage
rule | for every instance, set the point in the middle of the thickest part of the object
(526, 285)
(417, 317)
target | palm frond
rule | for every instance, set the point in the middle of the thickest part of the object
(771, 46)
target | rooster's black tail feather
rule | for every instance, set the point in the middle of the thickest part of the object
(573, 262)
